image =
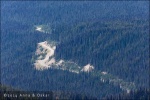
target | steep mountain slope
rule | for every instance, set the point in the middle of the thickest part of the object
(109, 37)
(140, 94)
(10, 93)
(71, 12)
(120, 48)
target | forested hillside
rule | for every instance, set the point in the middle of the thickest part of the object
(101, 47)
(141, 94)
(11, 94)
(121, 48)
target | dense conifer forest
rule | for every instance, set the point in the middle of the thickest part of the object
(111, 36)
